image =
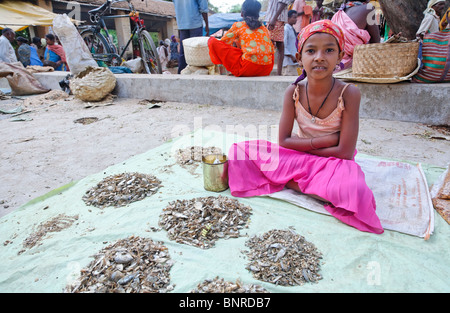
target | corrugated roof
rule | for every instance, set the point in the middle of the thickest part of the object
(158, 7)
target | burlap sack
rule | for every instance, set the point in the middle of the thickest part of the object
(93, 84)
(77, 53)
(20, 80)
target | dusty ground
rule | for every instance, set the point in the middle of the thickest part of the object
(45, 149)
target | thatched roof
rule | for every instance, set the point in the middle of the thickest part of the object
(157, 7)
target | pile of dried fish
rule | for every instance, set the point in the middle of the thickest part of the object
(194, 154)
(201, 221)
(56, 224)
(119, 190)
(283, 257)
(131, 265)
(217, 285)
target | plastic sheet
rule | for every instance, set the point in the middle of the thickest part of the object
(353, 261)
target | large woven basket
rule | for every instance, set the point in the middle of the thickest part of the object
(196, 51)
(385, 60)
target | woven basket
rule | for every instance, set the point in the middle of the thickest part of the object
(93, 84)
(196, 51)
(385, 60)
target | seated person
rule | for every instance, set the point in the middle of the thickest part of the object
(430, 22)
(254, 51)
(23, 51)
(37, 44)
(353, 20)
(54, 54)
(28, 54)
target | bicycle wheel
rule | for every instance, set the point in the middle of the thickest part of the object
(100, 49)
(149, 54)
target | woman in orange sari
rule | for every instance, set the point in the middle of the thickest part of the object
(245, 49)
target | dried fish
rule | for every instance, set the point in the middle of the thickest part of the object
(201, 221)
(194, 154)
(131, 265)
(217, 285)
(283, 257)
(191, 157)
(121, 189)
(56, 224)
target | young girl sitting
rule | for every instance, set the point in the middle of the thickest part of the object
(319, 160)
(254, 51)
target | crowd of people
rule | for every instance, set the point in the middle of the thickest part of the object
(285, 19)
(249, 47)
(49, 53)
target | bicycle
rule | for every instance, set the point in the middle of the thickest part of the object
(104, 50)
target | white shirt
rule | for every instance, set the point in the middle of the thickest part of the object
(7, 53)
(430, 24)
(290, 47)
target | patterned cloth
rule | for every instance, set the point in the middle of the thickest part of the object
(435, 58)
(255, 44)
(24, 52)
(322, 26)
(277, 34)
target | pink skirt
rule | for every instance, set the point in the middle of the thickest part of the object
(260, 167)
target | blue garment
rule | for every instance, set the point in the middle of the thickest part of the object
(34, 57)
(52, 56)
(24, 54)
(120, 70)
(189, 13)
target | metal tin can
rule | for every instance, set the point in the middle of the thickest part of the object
(215, 172)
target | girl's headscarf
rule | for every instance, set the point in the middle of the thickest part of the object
(322, 26)
(430, 6)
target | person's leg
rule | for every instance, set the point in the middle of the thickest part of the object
(185, 34)
(280, 47)
(277, 37)
(221, 53)
(294, 186)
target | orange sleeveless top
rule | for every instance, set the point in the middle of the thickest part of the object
(329, 125)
